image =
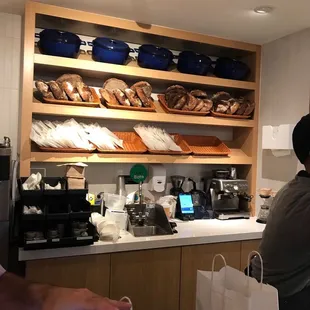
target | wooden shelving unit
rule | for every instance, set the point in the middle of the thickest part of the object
(159, 117)
(237, 157)
(244, 144)
(98, 70)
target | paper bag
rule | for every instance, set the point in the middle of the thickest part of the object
(230, 289)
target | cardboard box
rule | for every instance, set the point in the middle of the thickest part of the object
(76, 183)
(75, 171)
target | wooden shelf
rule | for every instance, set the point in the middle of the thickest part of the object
(159, 117)
(85, 65)
(237, 157)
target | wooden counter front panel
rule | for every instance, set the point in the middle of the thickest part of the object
(92, 272)
(151, 278)
(199, 257)
(246, 248)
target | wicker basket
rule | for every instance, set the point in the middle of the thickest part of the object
(132, 144)
(178, 139)
(206, 145)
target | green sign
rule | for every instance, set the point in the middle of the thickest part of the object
(138, 173)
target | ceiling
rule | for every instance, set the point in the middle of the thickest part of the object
(233, 19)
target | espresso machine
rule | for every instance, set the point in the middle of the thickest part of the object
(229, 198)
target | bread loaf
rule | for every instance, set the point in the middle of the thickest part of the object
(200, 105)
(71, 91)
(146, 101)
(234, 106)
(133, 99)
(58, 93)
(43, 88)
(199, 93)
(113, 84)
(84, 92)
(108, 96)
(191, 102)
(72, 78)
(147, 88)
(250, 108)
(181, 102)
(121, 97)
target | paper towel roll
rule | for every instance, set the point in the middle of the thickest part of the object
(281, 153)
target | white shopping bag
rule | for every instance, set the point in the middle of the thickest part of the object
(230, 289)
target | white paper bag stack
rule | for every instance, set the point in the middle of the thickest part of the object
(230, 289)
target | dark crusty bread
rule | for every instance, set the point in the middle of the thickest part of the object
(147, 88)
(58, 93)
(199, 93)
(72, 78)
(242, 108)
(234, 106)
(220, 96)
(132, 97)
(250, 108)
(181, 102)
(170, 95)
(191, 102)
(112, 84)
(200, 105)
(208, 104)
(71, 91)
(174, 87)
(84, 92)
(44, 89)
(146, 101)
(222, 107)
(173, 100)
(121, 97)
(108, 96)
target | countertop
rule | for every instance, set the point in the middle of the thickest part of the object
(189, 233)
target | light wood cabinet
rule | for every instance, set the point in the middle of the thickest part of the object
(200, 257)
(92, 272)
(246, 248)
(151, 278)
(154, 279)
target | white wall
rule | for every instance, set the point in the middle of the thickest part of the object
(284, 100)
(10, 53)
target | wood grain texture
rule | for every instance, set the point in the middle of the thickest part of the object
(236, 157)
(150, 278)
(134, 26)
(92, 272)
(246, 248)
(200, 257)
(159, 117)
(26, 95)
(99, 70)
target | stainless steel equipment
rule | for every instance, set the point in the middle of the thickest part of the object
(120, 186)
(145, 221)
(5, 205)
(229, 198)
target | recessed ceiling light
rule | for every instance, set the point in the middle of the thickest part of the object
(263, 10)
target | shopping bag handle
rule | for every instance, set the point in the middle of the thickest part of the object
(127, 299)
(213, 265)
(261, 268)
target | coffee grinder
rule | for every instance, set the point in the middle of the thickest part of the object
(177, 183)
(199, 199)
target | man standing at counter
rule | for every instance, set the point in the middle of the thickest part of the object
(285, 244)
(18, 294)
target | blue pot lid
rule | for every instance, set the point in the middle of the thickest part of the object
(111, 44)
(192, 56)
(59, 36)
(156, 50)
